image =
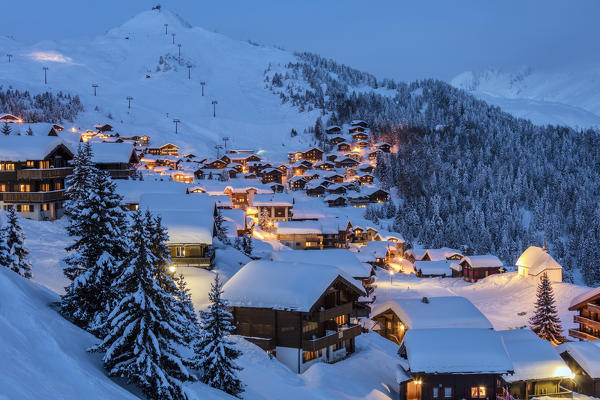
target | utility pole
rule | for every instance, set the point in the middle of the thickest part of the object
(214, 103)
(202, 84)
(45, 75)
(95, 85)
(218, 147)
(173, 34)
(9, 57)
(166, 30)
(225, 140)
(176, 124)
(179, 55)
(189, 67)
(129, 98)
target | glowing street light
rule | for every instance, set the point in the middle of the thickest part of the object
(391, 276)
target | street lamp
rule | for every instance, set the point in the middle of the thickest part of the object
(391, 276)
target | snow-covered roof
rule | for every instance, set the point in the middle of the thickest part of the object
(24, 147)
(272, 200)
(443, 253)
(235, 185)
(440, 312)
(584, 298)
(484, 261)
(343, 259)
(377, 249)
(456, 351)
(112, 152)
(189, 227)
(436, 267)
(195, 202)
(586, 354)
(532, 357)
(132, 190)
(299, 227)
(537, 260)
(281, 285)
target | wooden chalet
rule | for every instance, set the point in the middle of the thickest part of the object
(215, 164)
(583, 359)
(168, 149)
(277, 206)
(374, 154)
(362, 144)
(347, 162)
(366, 178)
(479, 267)
(336, 140)
(336, 200)
(103, 127)
(272, 175)
(359, 122)
(313, 155)
(537, 261)
(299, 169)
(379, 196)
(241, 197)
(310, 318)
(33, 170)
(367, 168)
(356, 129)
(361, 235)
(383, 146)
(336, 189)
(359, 136)
(333, 130)
(297, 183)
(335, 178)
(587, 306)
(393, 318)
(324, 165)
(300, 235)
(10, 119)
(539, 371)
(443, 253)
(445, 364)
(316, 191)
(118, 159)
(343, 146)
(295, 156)
(353, 155)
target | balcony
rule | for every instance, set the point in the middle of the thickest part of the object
(330, 313)
(39, 174)
(331, 338)
(198, 262)
(593, 307)
(586, 321)
(32, 197)
(577, 334)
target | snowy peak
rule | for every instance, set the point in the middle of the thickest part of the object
(154, 21)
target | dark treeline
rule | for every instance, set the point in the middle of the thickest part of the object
(43, 107)
(468, 175)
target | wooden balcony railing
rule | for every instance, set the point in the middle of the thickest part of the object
(198, 262)
(331, 339)
(586, 321)
(330, 313)
(593, 307)
(32, 197)
(577, 334)
(38, 174)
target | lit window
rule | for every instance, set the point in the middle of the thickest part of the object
(58, 186)
(341, 319)
(2, 187)
(7, 167)
(478, 392)
(30, 164)
(27, 208)
(24, 187)
(44, 164)
(44, 207)
(179, 251)
(44, 187)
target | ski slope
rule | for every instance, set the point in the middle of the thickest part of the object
(124, 62)
(546, 97)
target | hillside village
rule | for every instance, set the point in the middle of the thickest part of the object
(319, 275)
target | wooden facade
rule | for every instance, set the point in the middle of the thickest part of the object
(197, 255)
(588, 318)
(36, 187)
(582, 382)
(168, 149)
(302, 241)
(299, 339)
(452, 386)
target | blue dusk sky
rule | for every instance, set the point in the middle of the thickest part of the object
(398, 39)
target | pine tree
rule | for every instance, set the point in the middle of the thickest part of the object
(215, 354)
(98, 225)
(545, 321)
(221, 229)
(78, 182)
(13, 254)
(264, 218)
(247, 244)
(160, 251)
(29, 131)
(6, 129)
(185, 309)
(143, 328)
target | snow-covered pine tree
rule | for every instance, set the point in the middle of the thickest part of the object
(6, 129)
(545, 321)
(247, 244)
(78, 182)
(143, 328)
(264, 218)
(13, 254)
(220, 229)
(29, 131)
(215, 353)
(185, 308)
(158, 246)
(98, 225)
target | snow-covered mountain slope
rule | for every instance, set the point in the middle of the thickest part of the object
(125, 62)
(570, 98)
